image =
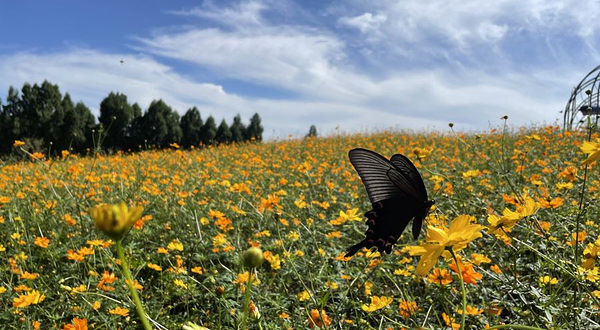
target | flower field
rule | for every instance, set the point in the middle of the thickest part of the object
(517, 209)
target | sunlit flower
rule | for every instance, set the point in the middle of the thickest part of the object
(119, 311)
(303, 296)
(318, 319)
(469, 275)
(548, 280)
(408, 308)
(77, 324)
(439, 276)
(590, 254)
(450, 321)
(456, 237)
(377, 303)
(592, 149)
(479, 259)
(18, 143)
(273, 259)
(31, 298)
(115, 220)
(42, 242)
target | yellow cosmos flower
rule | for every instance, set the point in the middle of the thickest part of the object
(377, 303)
(115, 220)
(32, 298)
(456, 237)
(592, 149)
(18, 143)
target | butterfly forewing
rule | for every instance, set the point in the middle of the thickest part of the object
(409, 171)
(374, 171)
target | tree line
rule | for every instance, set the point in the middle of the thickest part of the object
(48, 121)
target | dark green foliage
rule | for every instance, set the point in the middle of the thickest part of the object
(115, 116)
(209, 131)
(191, 127)
(160, 125)
(46, 121)
(254, 130)
(237, 129)
(223, 133)
(11, 121)
(42, 111)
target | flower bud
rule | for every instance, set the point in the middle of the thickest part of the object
(253, 257)
(114, 220)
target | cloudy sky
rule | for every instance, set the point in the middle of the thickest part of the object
(355, 65)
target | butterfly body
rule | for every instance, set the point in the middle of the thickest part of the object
(397, 195)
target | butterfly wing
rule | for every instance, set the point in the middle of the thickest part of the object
(386, 222)
(395, 198)
(409, 171)
(380, 178)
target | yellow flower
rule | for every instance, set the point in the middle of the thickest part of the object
(460, 233)
(115, 220)
(548, 280)
(304, 295)
(32, 298)
(377, 303)
(273, 259)
(592, 149)
(18, 143)
(119, 311)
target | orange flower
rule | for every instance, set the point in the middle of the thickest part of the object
(77, 324)
(440, 276)
(318, 319)
(469, 275)
(31, 298)
(408, 308)
(42, 242)
(119, 311)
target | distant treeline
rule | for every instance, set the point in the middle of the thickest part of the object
(45, 120)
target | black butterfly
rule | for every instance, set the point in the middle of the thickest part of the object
(397, 193)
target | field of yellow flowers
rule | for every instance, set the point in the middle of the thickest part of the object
(511, 243)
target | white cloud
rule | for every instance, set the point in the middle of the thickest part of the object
(317, 67)
(294, 58)
(244, 13)
(366, 22)
(462, 25)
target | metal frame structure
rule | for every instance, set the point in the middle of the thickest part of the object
(584, 101)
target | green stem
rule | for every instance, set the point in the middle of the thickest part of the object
(462, 287)
(132, 290)
(247, 299)
(514, 326)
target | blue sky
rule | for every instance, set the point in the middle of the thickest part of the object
(354, 65)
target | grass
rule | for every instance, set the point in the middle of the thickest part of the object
(302, 203)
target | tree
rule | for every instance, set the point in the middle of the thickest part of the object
(10, 121)
(161, 125)
(312, 131)
(134, 132)
(237, 129)
(209, 131)
(254, 130)
(86, 122)
(41, 112)
(223, 133)
(115, 115)
(191, 126)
